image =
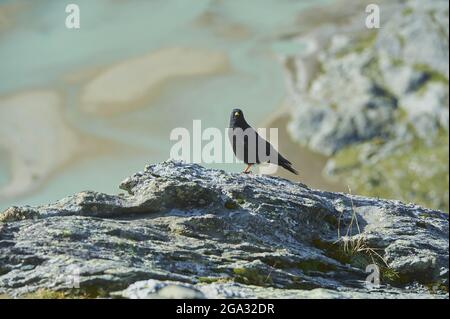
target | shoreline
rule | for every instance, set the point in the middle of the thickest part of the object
(134, 82)
(33, 164)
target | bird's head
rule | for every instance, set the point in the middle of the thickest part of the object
(237, 119)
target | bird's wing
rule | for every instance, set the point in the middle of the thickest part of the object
(268, 153)
(238, 142)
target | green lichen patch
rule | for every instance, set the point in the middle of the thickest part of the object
(365, 41)
(231, 204)
(312, 265)
(64, 294)
(437, 288)
(416, 172)
(432, 75)
(45, 294)
(210, 280)
(240, 199)
(305, 265)
(407, 11)
(251, 276)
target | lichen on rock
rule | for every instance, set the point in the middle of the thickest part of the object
(175, 230)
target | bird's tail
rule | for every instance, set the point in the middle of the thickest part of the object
(286, 165)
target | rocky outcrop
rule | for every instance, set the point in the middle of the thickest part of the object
(377, 101)
(185, 231)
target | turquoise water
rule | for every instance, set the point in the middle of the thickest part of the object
(43, 48)
(44, 51)
(4, 168)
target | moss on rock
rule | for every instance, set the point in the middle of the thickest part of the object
(251, 276)
(424, 181)
(61, 294)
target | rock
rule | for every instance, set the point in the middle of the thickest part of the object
(363, 75)
(18, 213)
(152, 289)
(384, 88)
(160, 289)
(401, 79)
(418, 24)
(427, 110)
(176, 235)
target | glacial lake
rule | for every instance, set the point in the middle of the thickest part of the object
(37, 52)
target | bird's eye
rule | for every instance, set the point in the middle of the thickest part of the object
(236, 114)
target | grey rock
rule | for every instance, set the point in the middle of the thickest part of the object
(400, 78)
(418, 34)
(184, 231)
(427, 110)
(375, 102)
(152, 288)
(365, 76)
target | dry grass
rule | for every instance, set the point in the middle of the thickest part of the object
(353, 245)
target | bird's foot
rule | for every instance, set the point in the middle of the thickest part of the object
(246, 172)
(247, 169)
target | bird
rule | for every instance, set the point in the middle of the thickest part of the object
(247, 150)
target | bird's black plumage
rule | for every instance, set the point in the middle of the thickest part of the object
(246, 144)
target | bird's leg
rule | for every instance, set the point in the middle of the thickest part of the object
(246, 171)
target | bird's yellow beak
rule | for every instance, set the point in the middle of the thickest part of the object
(236, 114)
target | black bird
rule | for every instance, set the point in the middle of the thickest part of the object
(246, 143)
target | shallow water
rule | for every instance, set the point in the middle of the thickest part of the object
(4, 168)
(37, 51)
